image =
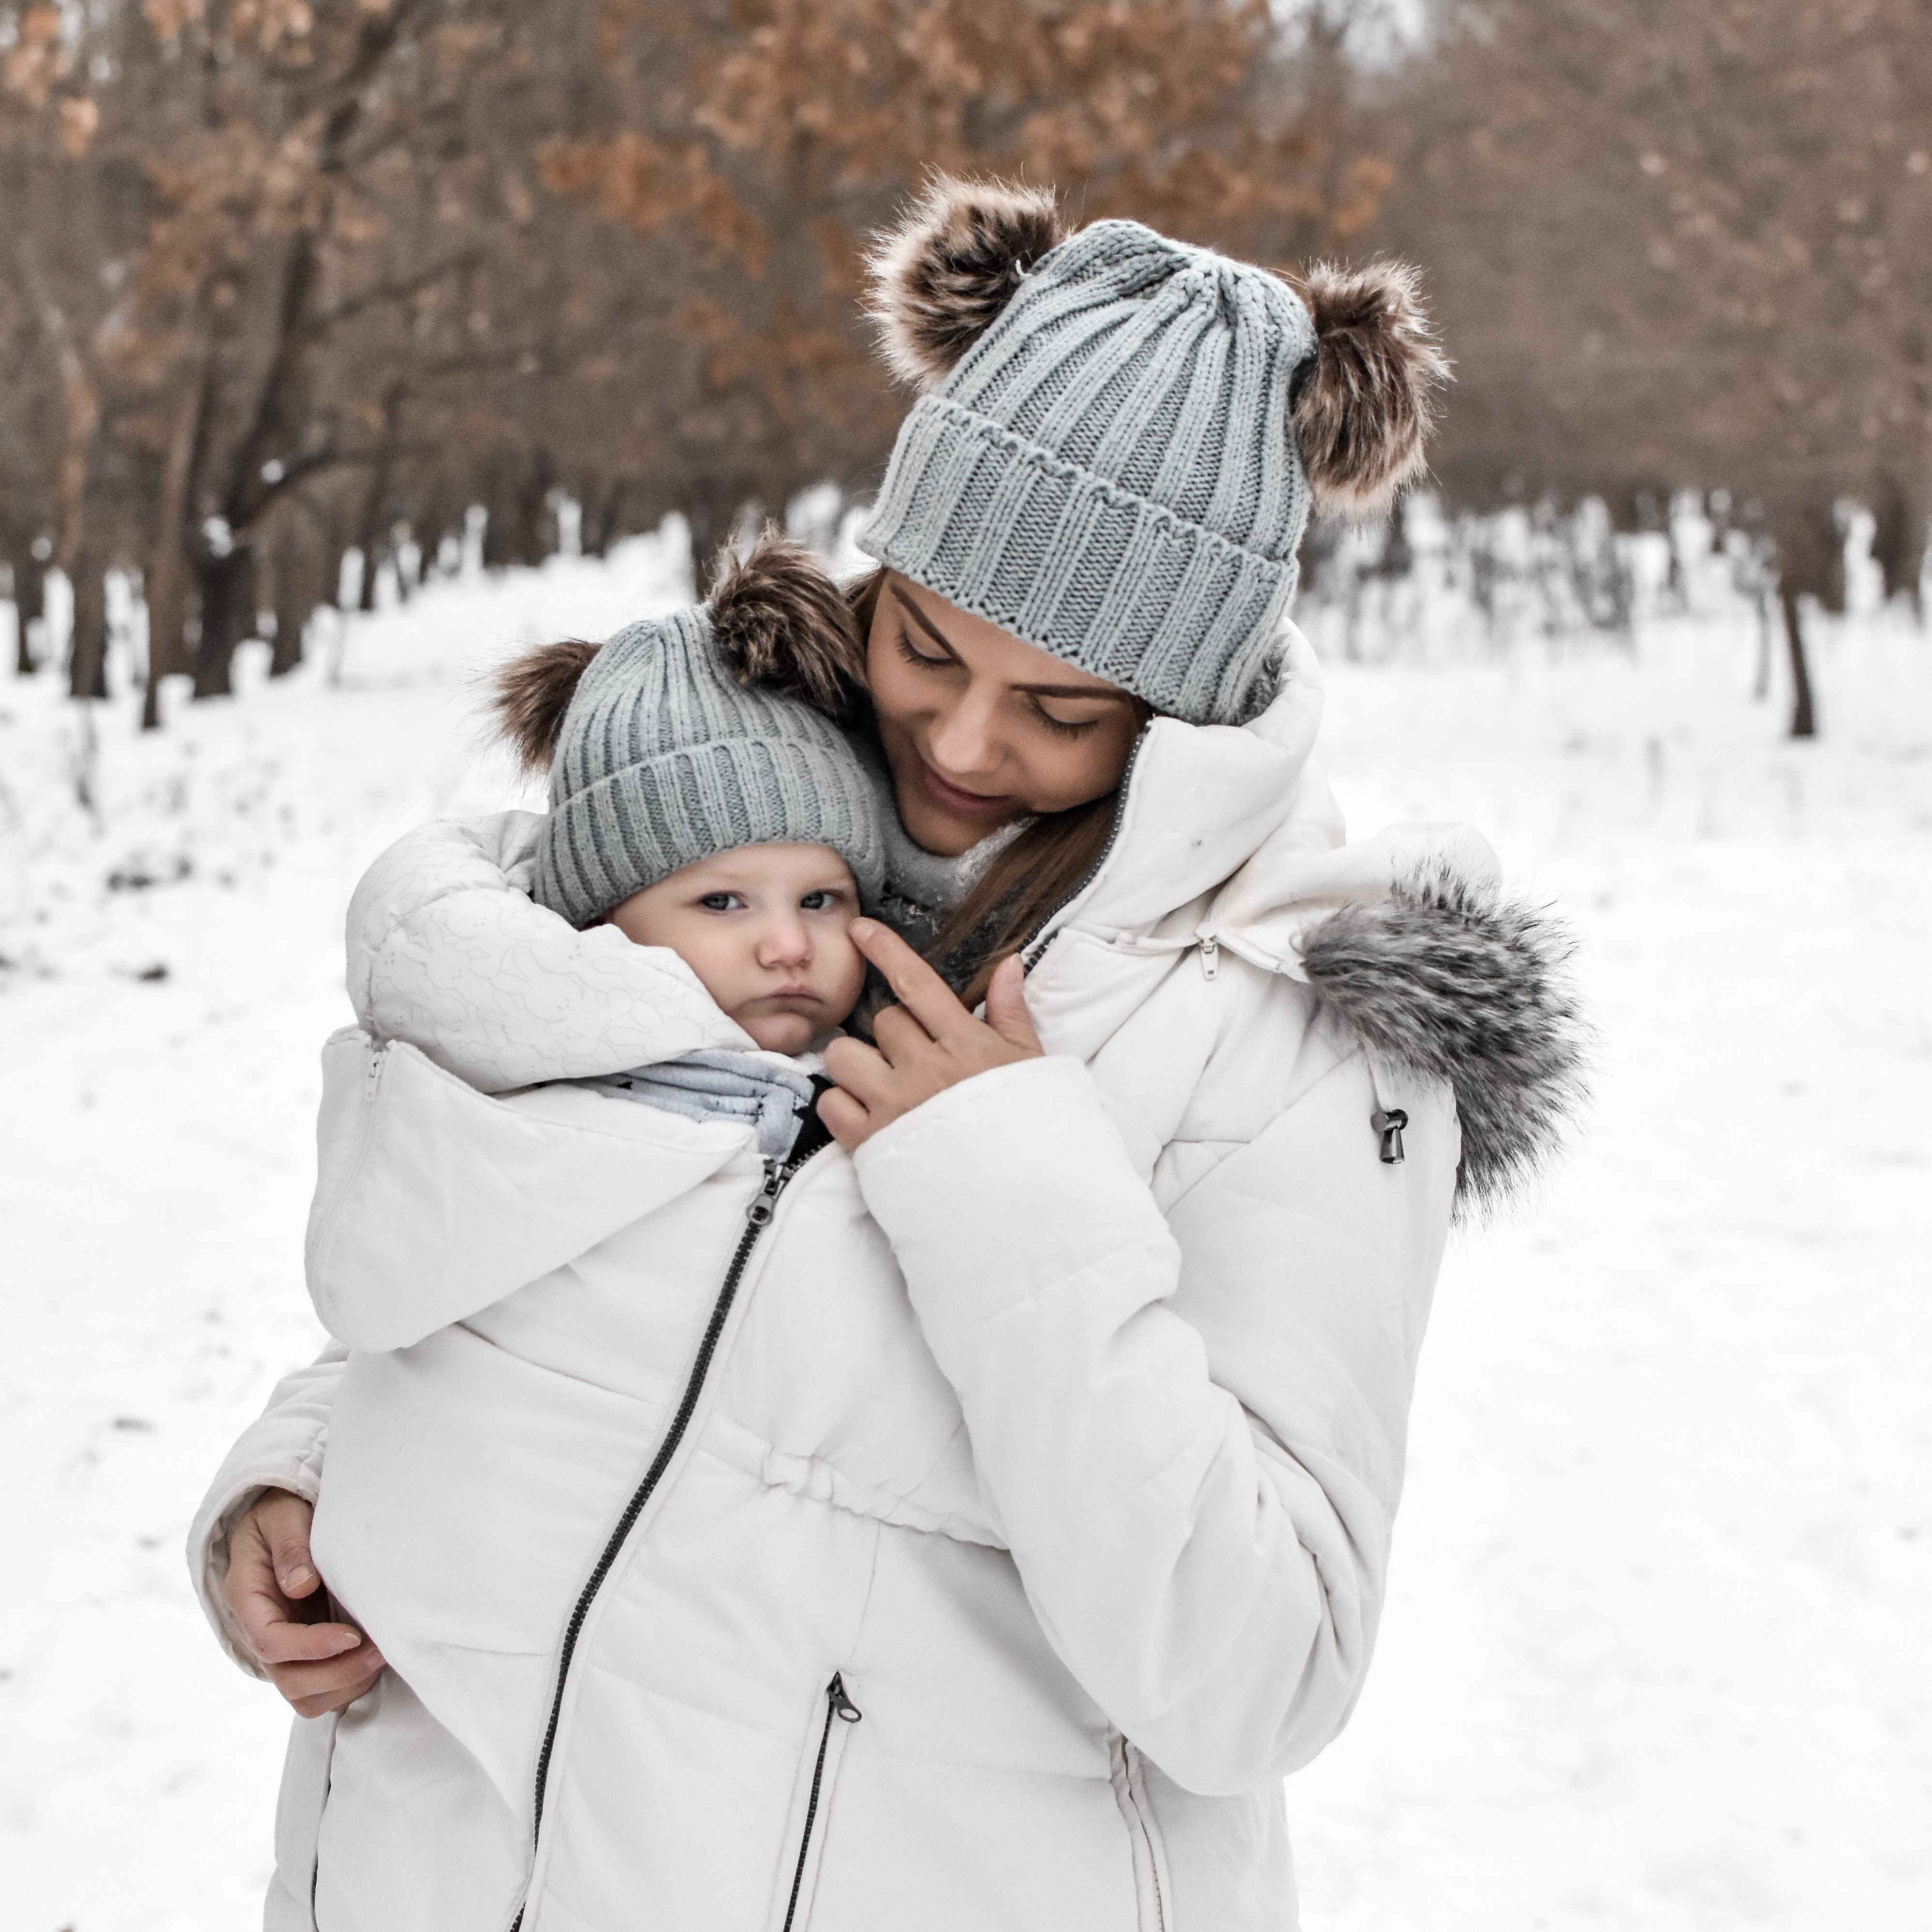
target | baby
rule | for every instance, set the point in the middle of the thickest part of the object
(520, 1262)
(731, 823)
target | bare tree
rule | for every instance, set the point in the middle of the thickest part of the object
(1685, 247)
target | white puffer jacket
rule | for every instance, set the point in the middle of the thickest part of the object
(969, 1533)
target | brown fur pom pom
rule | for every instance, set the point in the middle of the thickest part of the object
(941, 277)
(530, 694)
(780, 622)
(1363, 417)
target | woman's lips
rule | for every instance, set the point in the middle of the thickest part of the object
(967, 804)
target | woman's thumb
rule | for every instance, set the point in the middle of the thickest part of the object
(1007, 1008)
(285, 1531)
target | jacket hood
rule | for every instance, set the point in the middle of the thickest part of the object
(1229, 838)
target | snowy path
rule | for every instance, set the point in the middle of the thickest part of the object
(1655, 1653)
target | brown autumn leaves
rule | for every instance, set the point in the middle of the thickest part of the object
(281, 277)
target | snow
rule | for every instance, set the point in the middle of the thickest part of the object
(1654, 1651)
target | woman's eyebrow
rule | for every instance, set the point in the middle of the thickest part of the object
(1075, 691)
(924, 623)
(933, 632)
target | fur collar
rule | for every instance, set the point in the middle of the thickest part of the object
(1445, 979)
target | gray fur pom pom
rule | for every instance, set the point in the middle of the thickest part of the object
(1446, 980)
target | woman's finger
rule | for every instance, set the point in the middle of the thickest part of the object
(845, 1120)
(283, 1521)
(856, 1067)
(278, 1640)
(915, 985)
(315, 1688)
(898, 1033)
(1007, 1008)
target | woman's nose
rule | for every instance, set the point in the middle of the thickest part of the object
(960, 741)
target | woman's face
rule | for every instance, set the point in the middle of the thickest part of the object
(980, 729)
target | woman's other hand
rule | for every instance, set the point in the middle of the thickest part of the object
(926, 1043)
(274, 1593)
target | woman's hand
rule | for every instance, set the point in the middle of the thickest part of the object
(275, 1595)
(926, 1043)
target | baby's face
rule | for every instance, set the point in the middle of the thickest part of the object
(768, 931)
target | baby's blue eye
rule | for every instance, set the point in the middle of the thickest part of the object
(818, 901)
(717, 901)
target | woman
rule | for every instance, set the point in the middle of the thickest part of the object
(1079, 1543)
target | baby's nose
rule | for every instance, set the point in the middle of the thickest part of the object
(786, 943)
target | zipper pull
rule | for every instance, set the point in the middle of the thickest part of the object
(762, 1209)
(372, 1077)
(1210, 956)
(842, 1706)
(1389, 1125)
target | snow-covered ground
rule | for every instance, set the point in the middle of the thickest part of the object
(1655, 1654)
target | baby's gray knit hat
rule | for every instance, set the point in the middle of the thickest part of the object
(660, 756)
(1121, 434)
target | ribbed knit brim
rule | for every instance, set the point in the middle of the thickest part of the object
(1110, 473)
(665, 760)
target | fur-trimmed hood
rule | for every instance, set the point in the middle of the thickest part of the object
(1229, 840)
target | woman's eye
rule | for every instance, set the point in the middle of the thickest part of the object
(913, 655)
(1067, 727)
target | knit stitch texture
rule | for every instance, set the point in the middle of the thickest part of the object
(665, 760)
(1110, 473)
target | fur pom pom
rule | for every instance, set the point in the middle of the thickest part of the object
(1367, 410)
(530, 694)
(941, 277)
(1447, 981)
(779, 622)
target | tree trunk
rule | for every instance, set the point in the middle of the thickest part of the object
(167, 577)
(30, 601)
(1810, 557)
(301, 582)
(87, 655)
(712, 514)
(1803, 715)
(227, 594)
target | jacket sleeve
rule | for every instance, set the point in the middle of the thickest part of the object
(1189, 1425)
(448, 951)
(281, 1449)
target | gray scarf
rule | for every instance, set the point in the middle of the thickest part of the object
(769, 1093)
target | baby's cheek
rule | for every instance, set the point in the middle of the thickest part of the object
(849, 965)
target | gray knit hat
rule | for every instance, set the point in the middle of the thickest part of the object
(1121, 434)
(661, 755)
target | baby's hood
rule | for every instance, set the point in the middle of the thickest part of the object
(447, 950)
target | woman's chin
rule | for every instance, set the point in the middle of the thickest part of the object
(934, 829)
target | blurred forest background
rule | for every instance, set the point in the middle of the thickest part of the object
(288, 284)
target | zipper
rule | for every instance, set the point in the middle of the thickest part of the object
(1044, 935)
(757, 1219)
(840, 1706)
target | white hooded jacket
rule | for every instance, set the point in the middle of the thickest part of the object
(971, 1532)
